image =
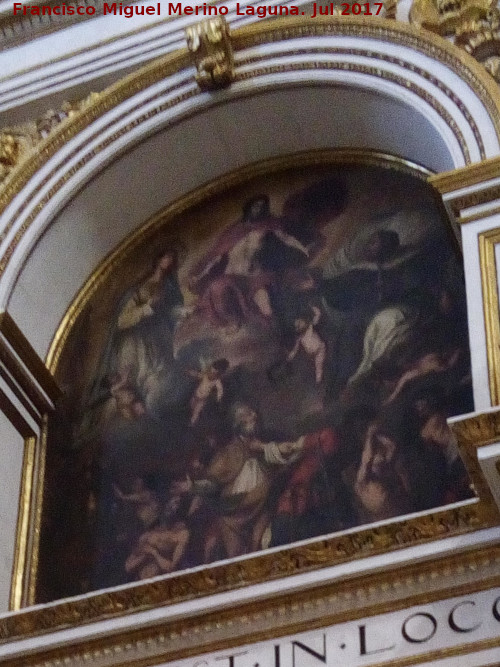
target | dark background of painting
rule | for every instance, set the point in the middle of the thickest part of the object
(81, 515)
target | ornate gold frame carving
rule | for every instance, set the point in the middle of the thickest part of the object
(444, 18)
(209, 43)
(323, 552)
(474, 199)
(449, 181)
(328, 604)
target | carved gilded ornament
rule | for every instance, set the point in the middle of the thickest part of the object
(14, 146)
(17, 142)
(445, 16)
(210, 45)
(481, 39)
(9, 154)
(474, 25)
(391, 8)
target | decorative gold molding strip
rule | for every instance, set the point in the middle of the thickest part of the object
(31, 497)
(209, 43)
(489, 281)
(36, 390)
(18, 29)
(412, 68)
(313, 608)
(481, 215)
(476, 198)
(23, 522)
(473, 174)
(269, 567)
(431, 45)
(400, 63)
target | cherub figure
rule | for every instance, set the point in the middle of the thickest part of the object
(128, 400)
(145, 501)
(310, 341)
(210, 380)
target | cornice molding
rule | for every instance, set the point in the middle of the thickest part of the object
(154, 642)
(451, 181)
(19, 29)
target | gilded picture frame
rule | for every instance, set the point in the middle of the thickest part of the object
(320, 552)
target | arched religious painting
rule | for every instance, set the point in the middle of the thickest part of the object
(268, 363)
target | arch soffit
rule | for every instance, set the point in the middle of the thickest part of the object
(418, 77)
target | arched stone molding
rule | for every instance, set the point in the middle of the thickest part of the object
(103, 51)
(299, 85)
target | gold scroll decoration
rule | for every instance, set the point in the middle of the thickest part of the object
(209, 44)
(481, 39)
(444, 17)
(18, 142)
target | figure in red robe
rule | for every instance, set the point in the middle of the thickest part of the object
(234, 278)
